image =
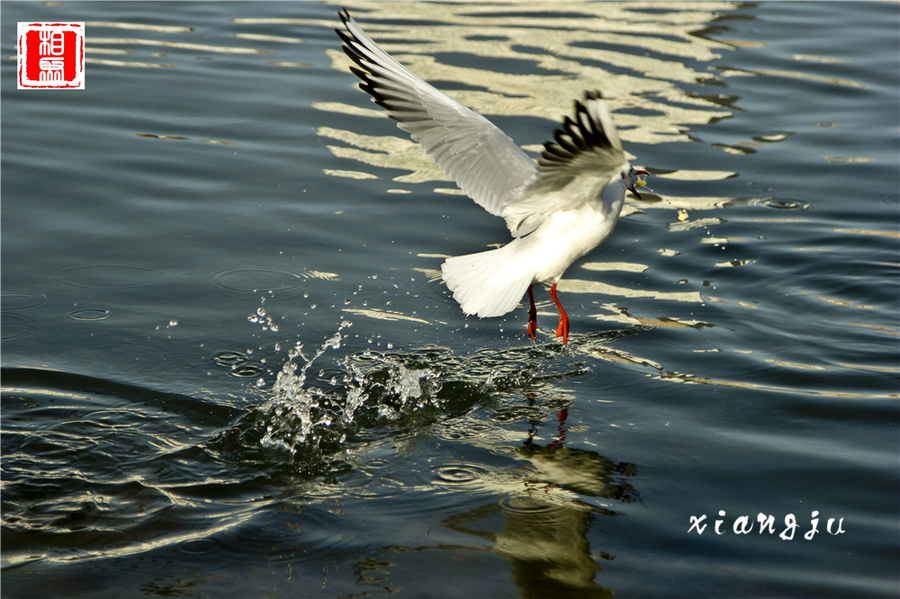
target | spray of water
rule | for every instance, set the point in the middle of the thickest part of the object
(313, 418)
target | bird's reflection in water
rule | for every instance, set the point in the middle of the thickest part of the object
(545, 523)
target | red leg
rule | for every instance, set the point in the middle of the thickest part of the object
(532, 315)
(561, 439)
(563, 329)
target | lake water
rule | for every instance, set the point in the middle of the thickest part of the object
(230, 368)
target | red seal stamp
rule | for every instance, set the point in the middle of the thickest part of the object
(51, 56)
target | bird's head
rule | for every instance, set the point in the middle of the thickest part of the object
(633, 172)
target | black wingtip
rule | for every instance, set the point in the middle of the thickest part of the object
(345, 16)
(580, 134)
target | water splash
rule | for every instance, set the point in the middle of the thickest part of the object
(327, 407)
(315, 417)
(263, 318)
(295, 412)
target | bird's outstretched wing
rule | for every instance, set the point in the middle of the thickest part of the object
(468, 148)
(573, 169)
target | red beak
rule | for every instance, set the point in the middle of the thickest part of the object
(635, 173)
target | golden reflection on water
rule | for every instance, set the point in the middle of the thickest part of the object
(550, 501)
(269, 38)
(93, 45)
(349, 174)
(682, 377)
(637, 58)
(544, 538)
(688, 175)
(181, 45)
(868, 232)
(220, 522)
(677, 377)
(382, 314)
(597, 287)
(605, 48)
(570, 54)
(807, 76)
(139, 27)
(128, 64)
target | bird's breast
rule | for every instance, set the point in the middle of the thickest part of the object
(564, 237)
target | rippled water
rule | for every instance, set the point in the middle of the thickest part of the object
(230, 367)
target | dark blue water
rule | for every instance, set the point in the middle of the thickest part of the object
(230, 367)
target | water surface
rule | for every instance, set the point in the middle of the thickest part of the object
(230, 367)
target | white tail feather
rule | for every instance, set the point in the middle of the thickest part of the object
(487, 283)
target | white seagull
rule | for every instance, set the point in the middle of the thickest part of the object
(558, 209)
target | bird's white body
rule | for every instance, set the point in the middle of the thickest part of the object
(492, 283)
(557, 209)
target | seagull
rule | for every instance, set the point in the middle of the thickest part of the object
(557, 209)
